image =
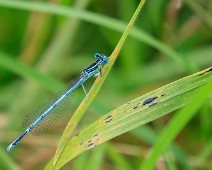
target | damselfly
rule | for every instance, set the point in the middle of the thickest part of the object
(41, 121)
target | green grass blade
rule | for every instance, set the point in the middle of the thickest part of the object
(145, 133)
(176, 125)
(95, 88)
(135, 113)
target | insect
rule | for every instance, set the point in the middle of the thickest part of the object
(54, 107)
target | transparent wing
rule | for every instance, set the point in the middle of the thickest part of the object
(52, 117)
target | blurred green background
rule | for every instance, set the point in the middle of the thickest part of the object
(40, 52)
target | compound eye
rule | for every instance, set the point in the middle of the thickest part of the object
(105, 60)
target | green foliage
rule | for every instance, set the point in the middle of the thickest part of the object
(42, 42)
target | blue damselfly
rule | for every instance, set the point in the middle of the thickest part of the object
(51, 107)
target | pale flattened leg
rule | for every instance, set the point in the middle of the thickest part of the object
(84, 90)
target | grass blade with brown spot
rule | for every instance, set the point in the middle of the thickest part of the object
(135, 113)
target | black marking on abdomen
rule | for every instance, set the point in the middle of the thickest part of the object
(54, 105)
